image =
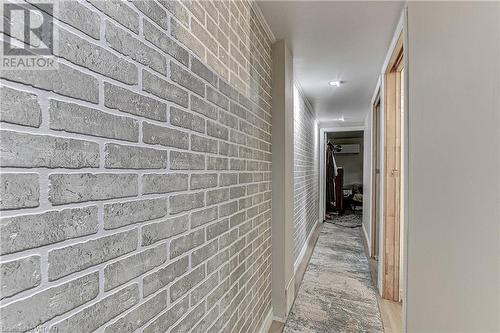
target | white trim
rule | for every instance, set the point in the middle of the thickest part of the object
(394, 42)
(369, 122)
(367, 240)
(378, 88)
(300, 257)
(290, 294)
(266, 324)
(381, 189)
(322, 152)
(406, 157)
(282, 178)
(262, 20)
(367, 172)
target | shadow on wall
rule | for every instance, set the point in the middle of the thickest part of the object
(306, 171)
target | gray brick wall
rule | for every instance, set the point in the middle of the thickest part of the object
(136, 182)
(306, 172)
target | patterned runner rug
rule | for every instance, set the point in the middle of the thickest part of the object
(336, 294)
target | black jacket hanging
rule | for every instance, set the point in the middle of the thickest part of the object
(330, 176)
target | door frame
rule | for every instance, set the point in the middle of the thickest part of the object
(322, 160)
(401, 28)
(375, 186)
(391, 175)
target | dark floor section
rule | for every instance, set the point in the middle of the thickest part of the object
(348, 219)
(336, 294)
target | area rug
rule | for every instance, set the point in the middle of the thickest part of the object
(348, 219)
(336, 294)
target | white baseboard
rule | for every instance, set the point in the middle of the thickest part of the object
(290, 294)
(264, 328)
(368, 241)
(302, 253)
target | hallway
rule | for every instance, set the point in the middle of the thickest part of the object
(336, 294)
(167, 165)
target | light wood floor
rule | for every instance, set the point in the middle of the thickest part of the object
(391, 312)
(391, 315)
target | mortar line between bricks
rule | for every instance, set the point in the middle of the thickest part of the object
(84, 272)
(194, 287)
(258, 199)
(122, 229)
(177, 279)
(100, 106)
(103, 141)
(88, 304)
(8, 213)
(101, 43)
(65, 243)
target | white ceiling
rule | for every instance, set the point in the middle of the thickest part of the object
(333, 40)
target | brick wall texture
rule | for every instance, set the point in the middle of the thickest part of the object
(306, 172)
(136, 182)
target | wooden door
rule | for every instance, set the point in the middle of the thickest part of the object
(392, 179)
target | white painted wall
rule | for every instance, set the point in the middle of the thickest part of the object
(352, 163)
(282, 182)
(453, 282)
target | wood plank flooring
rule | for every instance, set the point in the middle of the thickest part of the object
(391, 315)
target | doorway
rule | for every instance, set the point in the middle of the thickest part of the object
(344, 177)
(392, 177)
(388, 172)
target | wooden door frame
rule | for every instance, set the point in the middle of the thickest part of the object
(392, 181)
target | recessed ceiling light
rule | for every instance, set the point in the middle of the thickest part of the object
(334, 83)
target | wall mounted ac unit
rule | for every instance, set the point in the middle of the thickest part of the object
(353, 148)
